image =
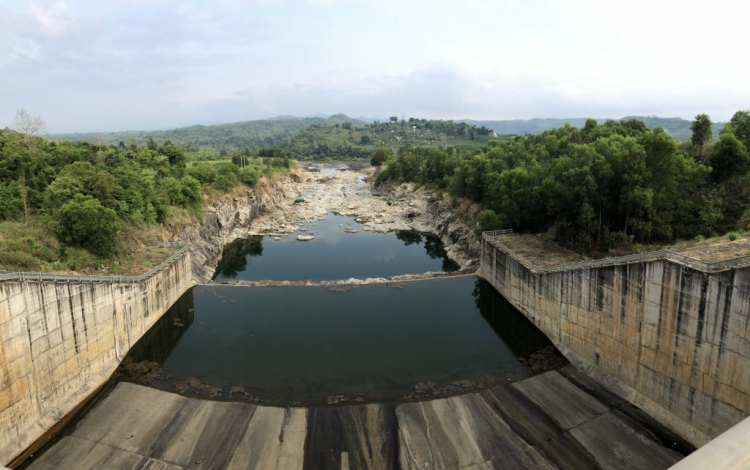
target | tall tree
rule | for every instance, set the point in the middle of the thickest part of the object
(702, 132)
(729, 158)
(741, 124)
(27, 125)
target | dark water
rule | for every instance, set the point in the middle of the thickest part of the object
(311, 345)
(333, 254)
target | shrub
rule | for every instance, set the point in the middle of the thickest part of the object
(380, 156)
(77, 259)
(699, 238)
(83, 222)
(732, 236)
(249, 176)
(191, 191)
(203, 172)
(171, 188)
(20, 261)
(227, 177)
(488, 220)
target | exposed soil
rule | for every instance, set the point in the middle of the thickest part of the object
(539, 251)
(544, 253)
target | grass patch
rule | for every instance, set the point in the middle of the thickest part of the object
(33, 246)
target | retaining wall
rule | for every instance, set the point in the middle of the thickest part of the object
(675, 340)
(61, 337)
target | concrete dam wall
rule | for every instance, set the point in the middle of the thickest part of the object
(673, 339)
(61, 337)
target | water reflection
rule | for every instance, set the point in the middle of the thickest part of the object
(432, 245)
(159, 342)
(238, 254)
(342, 249)
(312, 346)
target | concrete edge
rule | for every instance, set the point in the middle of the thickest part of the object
(729, 451)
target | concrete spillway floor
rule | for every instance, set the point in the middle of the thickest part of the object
(558, 419)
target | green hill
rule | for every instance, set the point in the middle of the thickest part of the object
(263, 133)
(339, 135)
(342, 141)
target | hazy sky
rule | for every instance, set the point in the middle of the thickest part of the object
(102, 65)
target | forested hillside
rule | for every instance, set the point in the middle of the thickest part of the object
(677, 128)
(71, 206)
(251, 134)
(340, 136)
(345, 141)
(598, 187)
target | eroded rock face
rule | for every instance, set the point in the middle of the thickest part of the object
(281, 206)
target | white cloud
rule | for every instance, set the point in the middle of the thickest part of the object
(116, 64)
(52, 16)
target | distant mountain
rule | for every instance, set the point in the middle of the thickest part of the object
(263, 133)
(678, 128)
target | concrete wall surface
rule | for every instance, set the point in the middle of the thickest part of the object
(671, 338)
(60, 341)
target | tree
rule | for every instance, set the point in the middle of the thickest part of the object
(174, 153)
(85, 223)
(702, 132)
(488, 220)
(394, 119)
(380, 156)
(80, 177)
(27, 124)
(203, 172)
(741, 124)
(728, 159)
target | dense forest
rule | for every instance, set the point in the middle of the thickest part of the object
(598, 187)
(64, 201)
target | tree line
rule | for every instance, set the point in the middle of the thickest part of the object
(85, 192)
(597, 187)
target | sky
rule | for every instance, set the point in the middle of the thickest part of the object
(108, 65)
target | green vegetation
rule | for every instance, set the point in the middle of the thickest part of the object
(340, 142)
(677, 128)
(85, 223)
(228, 137)
(594, 188)
(66, 206)
(332, 138)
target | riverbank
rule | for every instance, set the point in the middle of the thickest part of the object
(281, 206)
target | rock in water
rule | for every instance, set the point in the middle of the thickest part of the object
(305, 238)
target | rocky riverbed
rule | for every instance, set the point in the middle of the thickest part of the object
(282, 206)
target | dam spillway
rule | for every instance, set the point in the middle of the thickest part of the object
(545, 419)
(666, 331)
